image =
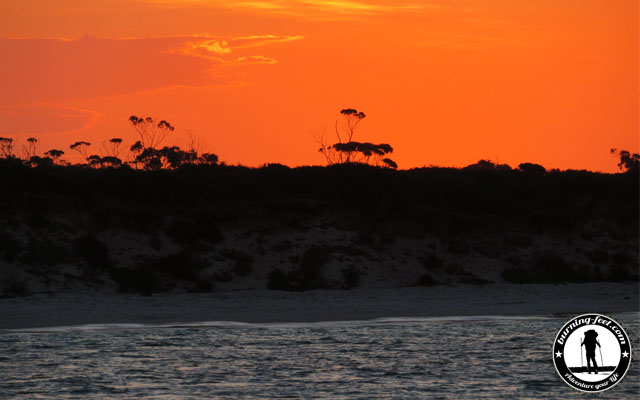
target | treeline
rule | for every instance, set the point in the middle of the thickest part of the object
(146, 153)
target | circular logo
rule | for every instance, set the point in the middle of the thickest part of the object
(592, 353)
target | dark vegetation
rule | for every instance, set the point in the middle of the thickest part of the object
(495, 213)
(189, 209)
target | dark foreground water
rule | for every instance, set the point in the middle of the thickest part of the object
(439, 358)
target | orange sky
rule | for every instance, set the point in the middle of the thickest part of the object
(444, 82)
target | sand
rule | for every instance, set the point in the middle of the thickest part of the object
(65, 309)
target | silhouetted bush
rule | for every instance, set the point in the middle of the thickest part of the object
(597, 256)
(9, 247)
(518, 240)
(431, 262)
(457, 246)
(426, 280)
(15, 288)
(517, 275)
(282, 246)
(202, 285)
(622, 272)
(547, 267)
(532, 169)
(222, 276)
(93, 251)
(313, 259)
(241, 261)
(278, 280)
(473, 280)
(351, 277)
(308, 276)
(190, 231)
(184, 264)
(144, 281)
(45, 252)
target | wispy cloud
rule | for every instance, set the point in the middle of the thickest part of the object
(45, 118)
(215, 48)
(307, 8)
(44, 70)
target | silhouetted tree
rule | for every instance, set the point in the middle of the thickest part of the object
(6, 147)
(81, 147)
(366, 152)
(346, 150)
(390, 163)
(112, 147)
(54, 154)
(110, 161)
(488, 165)
(628, 162)
(94, 160)
(208, 159)
(171, 158)
(532, 169)
(37, 161)
(30, 149)
(151, 133)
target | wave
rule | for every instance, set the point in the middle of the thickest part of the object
(280, 325)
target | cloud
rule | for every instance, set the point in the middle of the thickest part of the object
(44, 117)
(307, 8)
(255, 60)
(47, 70)
(215, 48)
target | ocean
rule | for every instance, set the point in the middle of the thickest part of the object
(395, 358)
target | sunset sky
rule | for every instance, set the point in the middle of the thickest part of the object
(444, 82)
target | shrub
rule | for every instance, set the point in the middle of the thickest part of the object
(242, 261)
(313, 260)
(457, 246)
(202, 285)
(351, 277)
(15, 288)
(431, 261)
(547, 267)
(597, 256)
(278, 280)
(144, 281)
(93, 251)
(222, 276)
(10, 247)
(45, 252)
(183, 264)
(518, 240)
(308, 276)
(190, 231)
(426, 280)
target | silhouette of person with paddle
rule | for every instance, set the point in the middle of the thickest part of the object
(589, 342)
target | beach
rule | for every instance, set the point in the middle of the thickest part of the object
(267, 306)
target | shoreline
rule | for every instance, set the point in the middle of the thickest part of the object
(265, 306)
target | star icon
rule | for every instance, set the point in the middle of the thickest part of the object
(558, 354)
(625, 354)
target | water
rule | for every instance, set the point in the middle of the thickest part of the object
(438, 358)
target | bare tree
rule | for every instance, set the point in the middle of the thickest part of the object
(81, 147)
(111, 148)
(30, 149)
(152, 134)
(194, 143)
